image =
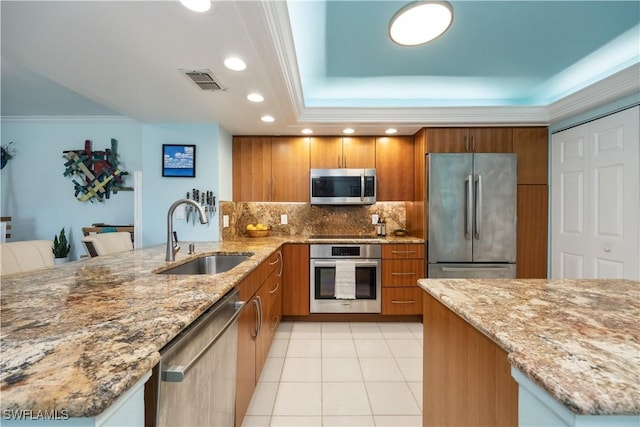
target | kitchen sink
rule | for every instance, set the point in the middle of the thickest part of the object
(212, 264)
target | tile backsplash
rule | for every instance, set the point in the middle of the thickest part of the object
(305, 219)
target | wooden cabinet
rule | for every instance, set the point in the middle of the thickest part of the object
(394, 168)
(531, 246)
(295, 280)
(343, 152)
(251, 168)
(469, 140)
(532, 147)
(467, 377)
(269, 169)
(402, 266)
(262, 292)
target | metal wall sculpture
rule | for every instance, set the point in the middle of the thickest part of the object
(97, 171)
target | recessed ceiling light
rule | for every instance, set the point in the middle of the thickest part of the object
(267, 119)
(420, 22)
(255, 97)
(391, 131)
(348, 131)
(307, 131)
(197, 5)
(234, 63)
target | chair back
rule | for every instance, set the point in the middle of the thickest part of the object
(107, 243)
(26, 255)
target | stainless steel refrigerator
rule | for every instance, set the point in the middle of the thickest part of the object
(471, 215)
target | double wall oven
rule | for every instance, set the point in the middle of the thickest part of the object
(365, 260)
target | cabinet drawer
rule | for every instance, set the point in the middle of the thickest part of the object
(402, 272)
(274, 263)
(402, 300)
(403, 251)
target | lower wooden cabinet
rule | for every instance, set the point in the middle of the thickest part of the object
(295, 280)
(257, 326)
(531, 249)
(402, 266)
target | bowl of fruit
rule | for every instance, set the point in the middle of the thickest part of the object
(257, 230)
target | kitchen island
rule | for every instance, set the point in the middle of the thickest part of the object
(77, 337)
(572, 346)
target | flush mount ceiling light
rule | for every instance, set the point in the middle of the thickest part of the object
(391, 131)
(420, 22)
(267, 119)
(255, 97)
(234, 63)
(348, 131)
(307, 131)
(197, 5)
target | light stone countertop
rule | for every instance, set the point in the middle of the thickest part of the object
(79, 335)
(578, 339)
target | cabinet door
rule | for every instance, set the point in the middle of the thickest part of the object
(532, 147)
(290, 169)
(251, 169)
(394, 165)
(325, 152)
(295, 292)
(447, 140)
(491, 140)
(531, 250)
(358, 152)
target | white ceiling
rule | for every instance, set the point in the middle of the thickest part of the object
(320, 65)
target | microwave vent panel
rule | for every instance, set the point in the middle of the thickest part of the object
(204, 79)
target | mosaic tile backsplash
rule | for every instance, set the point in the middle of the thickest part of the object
(305, 219)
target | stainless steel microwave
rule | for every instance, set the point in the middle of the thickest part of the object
(342, 186)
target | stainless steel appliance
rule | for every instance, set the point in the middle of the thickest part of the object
(342, 186)
(471, 215)
(367, 261)
(197, 371)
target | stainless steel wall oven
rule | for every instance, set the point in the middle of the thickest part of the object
(366, 263)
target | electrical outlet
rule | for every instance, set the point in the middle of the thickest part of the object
(374, 218)
(180, 212)
(284, 220)
(225, 221)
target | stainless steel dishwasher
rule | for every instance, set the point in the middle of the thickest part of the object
(197, 370)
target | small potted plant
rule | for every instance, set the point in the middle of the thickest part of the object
(61, 248)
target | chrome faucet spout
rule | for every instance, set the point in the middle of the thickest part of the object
(172, 244)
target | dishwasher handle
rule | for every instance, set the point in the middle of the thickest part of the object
(176, 374)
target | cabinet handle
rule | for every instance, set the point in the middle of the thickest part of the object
(273, 291)
(403, 302)
(275, 320)
(466, 144)
(274, 262)
(393, 273)
(403, 252)
(259, 315)
(339, 162)
(257, 306)
(473, 143)
(281, 263)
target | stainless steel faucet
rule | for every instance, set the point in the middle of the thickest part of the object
(172, 244)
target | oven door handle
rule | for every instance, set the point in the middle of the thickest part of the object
(368, 263)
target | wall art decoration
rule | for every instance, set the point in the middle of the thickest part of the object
(97, 172)
(8, 152)
(179, 160)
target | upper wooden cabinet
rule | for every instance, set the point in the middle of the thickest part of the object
(269, 169)
(532, 146)
(394, 168)
(342, 152)
(469, 140)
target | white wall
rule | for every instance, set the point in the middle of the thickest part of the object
(40, 199)
(158, 192)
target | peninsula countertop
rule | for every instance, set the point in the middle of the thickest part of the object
(578, 339)
(79, 335)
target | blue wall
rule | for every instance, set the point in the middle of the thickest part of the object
(41, 200)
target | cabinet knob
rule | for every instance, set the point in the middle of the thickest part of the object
(607, 248)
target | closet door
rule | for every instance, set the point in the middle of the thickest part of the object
(595, 199)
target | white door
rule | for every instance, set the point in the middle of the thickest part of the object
(596, 199)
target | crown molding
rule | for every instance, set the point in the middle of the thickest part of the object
(110, 119)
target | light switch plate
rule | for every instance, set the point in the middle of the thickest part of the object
(374, 218)
(180, 212)
(225, 221)
(284, 220)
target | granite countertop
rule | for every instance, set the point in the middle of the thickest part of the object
(578, 339)
(79, 335)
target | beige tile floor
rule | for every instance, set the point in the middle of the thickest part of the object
(341, 374)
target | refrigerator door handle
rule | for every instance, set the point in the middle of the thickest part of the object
(474, 268)
(478, 207)
(468, 197)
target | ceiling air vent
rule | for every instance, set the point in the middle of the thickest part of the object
(204, 79)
